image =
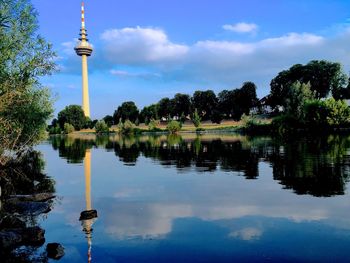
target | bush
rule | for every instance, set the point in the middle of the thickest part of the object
(284, 123)
(338, 112)
(127, 127)
(55, 130)
(152, 126)
(174, 126)
(101, 127)
(315, 114)
(68, 128)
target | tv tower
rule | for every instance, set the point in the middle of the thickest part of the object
(84, 50)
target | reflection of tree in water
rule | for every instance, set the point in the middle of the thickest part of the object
(316, 166)
(72, 149)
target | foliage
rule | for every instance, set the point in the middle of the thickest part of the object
(127, 111)
(108, 119)
(165, 108)
(324, 77)
(181, 104)
(338, 112)
(148, 113)
(25, 105)
(315, 114)
(55, 130)
(153, 125)
(296, 97)
(284, 123)
(74, 115)
(205, 102)
(216, 116)
(68, 128)
(127, 127)
(196, 119)
(174, 126)
(101, 127)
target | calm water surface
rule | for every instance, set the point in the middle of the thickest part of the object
(210, 198)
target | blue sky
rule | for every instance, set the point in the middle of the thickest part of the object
(146, 50)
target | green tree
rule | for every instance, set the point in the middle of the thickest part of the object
(174, 126)
(25, 105)
(68, 128)
(101, 127)
(205, 102)
(148, 113)
(296, 98)
(165, 108)
(127, 111)
(338, 112)
(196, 119)
(181, 104)
(72, 114)
(108, 119)
(324, 77)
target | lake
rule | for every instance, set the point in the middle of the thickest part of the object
(199, 198)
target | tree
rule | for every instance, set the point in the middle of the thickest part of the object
(296, 98)
(68, 128)
(148, 113)
(225, 103)
(72, 114)
(25, 105)
(127, 111)
(108, 119)
(324, 77)
(248, 96)
(196, 119)
(101, 127)
(174, 127)
(165, 108)
(181, 104)
(205, 102)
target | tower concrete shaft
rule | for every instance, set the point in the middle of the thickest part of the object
(84, 49)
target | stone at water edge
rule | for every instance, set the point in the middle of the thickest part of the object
(55, 250)
(11, 221)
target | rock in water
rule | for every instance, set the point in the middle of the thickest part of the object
(9, 239)
(54, 250)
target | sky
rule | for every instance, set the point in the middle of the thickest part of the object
(147, 50)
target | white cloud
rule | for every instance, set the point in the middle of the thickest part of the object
(127, 74)
(140, 46)
(209, 63)
(241, 27)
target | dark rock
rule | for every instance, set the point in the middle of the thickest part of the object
(27, 208)
(9, 239)
(10, 221)
(88, 214)
(42, 197)
(33, 236)
(55, 250)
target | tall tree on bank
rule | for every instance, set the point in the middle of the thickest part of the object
(72, 114)
(205, 102)
(127, 111)
(324, 77)
(181, 104)
(25, 105)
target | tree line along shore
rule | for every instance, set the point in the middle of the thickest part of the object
(309, 96)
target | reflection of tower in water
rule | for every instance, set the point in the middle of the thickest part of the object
(88, 216)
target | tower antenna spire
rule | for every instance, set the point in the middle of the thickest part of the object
(82, 15)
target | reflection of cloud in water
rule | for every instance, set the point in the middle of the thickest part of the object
(124, 220)
(247, 234)
(128, 220)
